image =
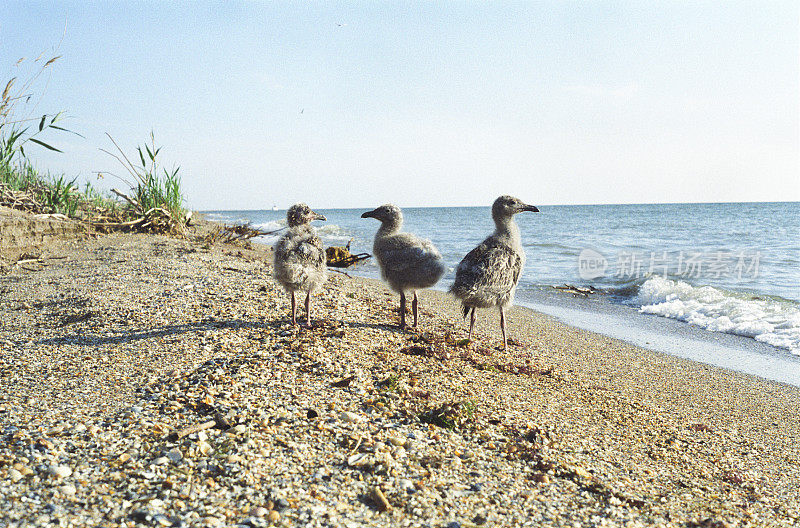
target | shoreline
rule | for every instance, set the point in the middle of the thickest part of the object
(127, 338)
(740, 312)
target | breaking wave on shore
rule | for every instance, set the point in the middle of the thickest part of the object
(771, 320)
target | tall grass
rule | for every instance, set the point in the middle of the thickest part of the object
(19, 130)
(155, 191)
(154, 201)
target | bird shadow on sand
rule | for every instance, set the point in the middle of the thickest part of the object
(139, 334)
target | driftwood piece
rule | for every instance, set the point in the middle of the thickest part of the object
(125, 197)
(236, 234)
(577, 291)
(196, 428)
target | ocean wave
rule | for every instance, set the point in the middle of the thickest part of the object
(271, 226)
(331, 234)
(767, 319)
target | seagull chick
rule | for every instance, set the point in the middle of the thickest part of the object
(407, 262)
(487, 276)
(299, 258)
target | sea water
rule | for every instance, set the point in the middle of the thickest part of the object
(731, 268)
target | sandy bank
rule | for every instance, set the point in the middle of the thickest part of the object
(125, 339)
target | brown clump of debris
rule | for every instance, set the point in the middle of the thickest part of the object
(340, 257)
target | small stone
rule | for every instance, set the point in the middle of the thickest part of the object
(160, 461)
(397, 441)
(541, 478)
(15, 475)
(259, 511)
(405, 484)
(163, 520)
(205, 448)
(581, 472)
(60, 471)
(479, 519)
(174, 454)
(273, 516)
(359, 459)
(349, 417)
(380, 499)
(68, 489)
(234, 459)
(454, 524)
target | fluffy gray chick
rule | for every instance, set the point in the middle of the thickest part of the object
(487, 276)
(407, 262)
(299, 258)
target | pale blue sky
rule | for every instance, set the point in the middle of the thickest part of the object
(359, 103)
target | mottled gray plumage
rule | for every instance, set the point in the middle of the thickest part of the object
(487, 276)
(299, 259)
(407, 262)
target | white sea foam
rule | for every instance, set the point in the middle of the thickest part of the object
(331, 234)
(772, 321)
(271, 226)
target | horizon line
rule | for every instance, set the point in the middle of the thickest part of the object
(538, 205)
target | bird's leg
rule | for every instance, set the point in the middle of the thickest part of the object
(402, 310)
(471, 322)
(294, 310)
(308, 309)
(414, 304)
(503, 326)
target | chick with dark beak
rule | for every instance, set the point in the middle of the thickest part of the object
(299, 262)
(487, 276)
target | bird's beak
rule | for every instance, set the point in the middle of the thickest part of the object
(317, 216)
(531, 208)
(369, 214)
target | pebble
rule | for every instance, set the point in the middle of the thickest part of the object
(205, 448)
(541, 478)
(60, 471)
(68, 489)
(350, 417)
(174, 455)
(273, 516)
(15, 475)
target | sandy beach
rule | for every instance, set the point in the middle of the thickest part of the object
(155, 381)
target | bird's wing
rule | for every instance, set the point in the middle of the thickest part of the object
(400, 253)
(489, 265)
(303, 248)
(311, 250)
